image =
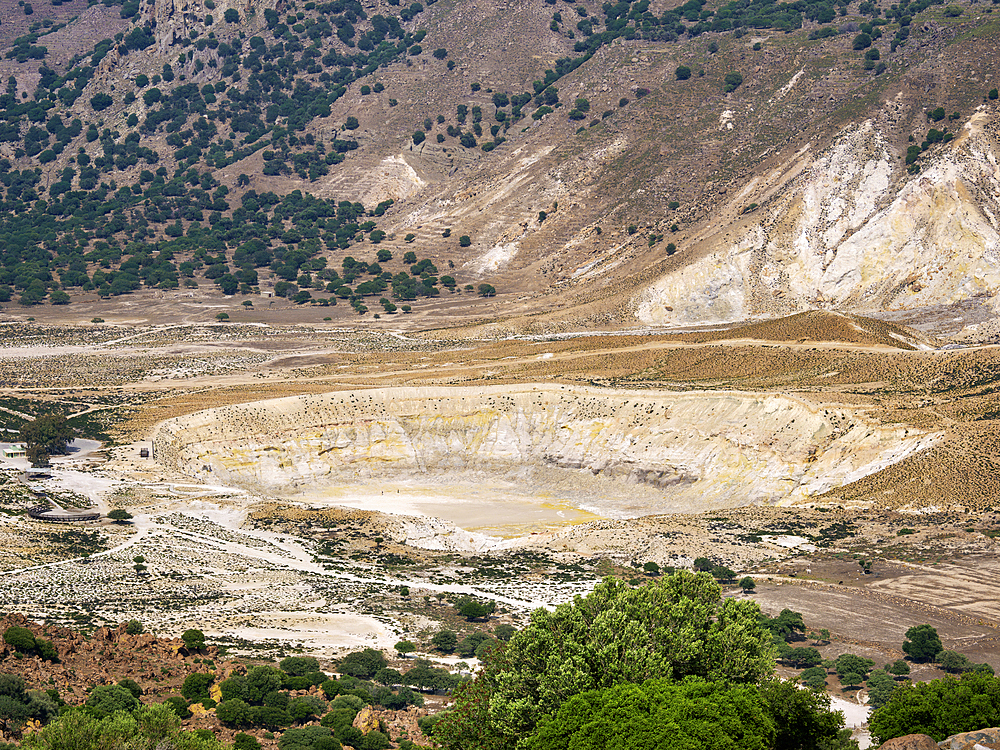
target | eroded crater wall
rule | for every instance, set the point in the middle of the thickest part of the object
(702, 450)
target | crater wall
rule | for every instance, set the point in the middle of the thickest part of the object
(668, 450)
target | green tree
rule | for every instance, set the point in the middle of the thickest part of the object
(852, 664)
(701, 564)
(194, 639)
(673, 627)
(693, 715)
(472, 610)
(405, 647)
(362, 664)
(732, 82)
(145, 727)
(952, 661)
(120, 515)
(939, 708)
(21, 639)
(299, 666)
(504, 631)
(464, 240)
(814, 677)
(233, 713)
(683, 72)
(100, 102)
(445, 641)
(470, 644)
(787, 624)
(881, 686)
(803, 718)
(105, 700)
(922, 643)
(196, 685)
(48, 434)
(232, 15)
(651, 568)
(899, 668)
(747, 584)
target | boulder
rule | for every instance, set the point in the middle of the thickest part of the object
(910, 742)
(981, 739)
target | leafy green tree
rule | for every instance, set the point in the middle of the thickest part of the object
(105, 700)
(132, 686)
(504, 631)
(232, 15)
(305, 738)
(49, 434)
(306, 708)
(418, 137)
(701, 564)
(472, 610)
(787, 624)
(179, 706)
(683, 72)
(362, 664)
(732, 82)
(723, 574)
(120, 515)
(954, 662)
(244, 741)
(234, 713)
(470, 644)
(658, 714)
(939, 708)
(899, 668)
(298, 666)
(194, 639)
(814, 677)
(388, 676)
(747, 584)
(21, 639)
(445, 641)
(405, 647)
(803, 718)
(196, 685)
(673, 627)
(922, 643)
(651, 568)
(145, 727)
(464, 241)
(852, 664)
(14, 711)
(881, 686)
(100, 102)
(802, 657)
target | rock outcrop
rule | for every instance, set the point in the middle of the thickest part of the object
(845, 235)
(672, 450)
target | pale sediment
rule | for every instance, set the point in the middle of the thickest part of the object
(618, 453)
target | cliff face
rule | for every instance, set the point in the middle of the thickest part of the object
(844, 235)
(676, 450)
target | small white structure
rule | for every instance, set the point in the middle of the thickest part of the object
(15, 451)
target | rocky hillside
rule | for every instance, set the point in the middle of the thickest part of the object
(639, 162)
